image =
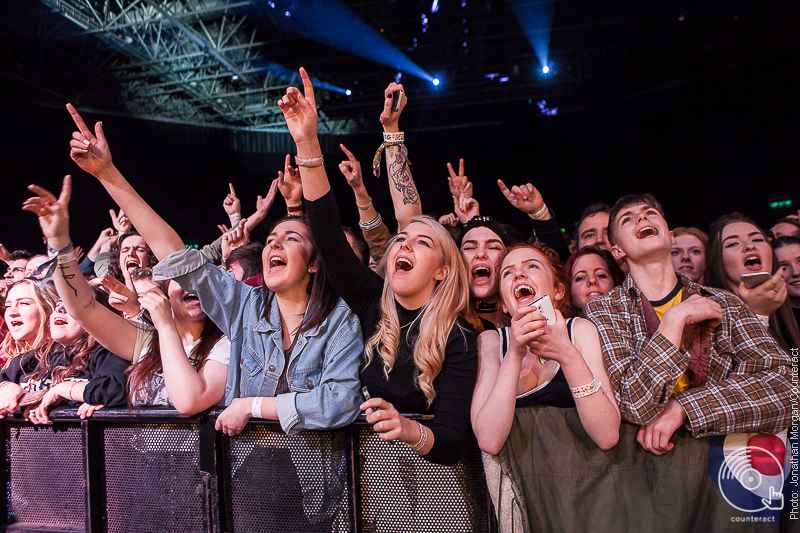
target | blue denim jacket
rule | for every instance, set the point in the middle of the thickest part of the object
(323, 366)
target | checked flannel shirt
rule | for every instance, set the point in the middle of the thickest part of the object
(748, 385)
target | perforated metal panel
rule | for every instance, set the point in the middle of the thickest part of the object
(403, 493)
(286, 484)
(153, 481)
(46, 475)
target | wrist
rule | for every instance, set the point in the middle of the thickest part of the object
(309, 149)
(391, 128)
(59, 242)
(108, 173)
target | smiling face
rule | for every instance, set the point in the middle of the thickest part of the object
(744, 250)
(133, 253)
(483, 251)
(64, 329)
(641, 232)
(590, 279)
(689, 257)
(23, 315)
(287, 257)
(415, 265)
(593, 231)
(789, 258)
(526, 276)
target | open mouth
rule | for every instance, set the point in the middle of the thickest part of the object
(130, 264)
(753, 262)
(524, 293)
(594, 294)
(60, 322)
(647, 231)
(191, 297)
(276, 263)
(481, 274)
(403, 265)
(16, 323)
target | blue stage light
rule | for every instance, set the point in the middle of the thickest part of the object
(287, 14)
(434, 6)
(545, 69)
(436, 81)
(348, 92)
(536, 21)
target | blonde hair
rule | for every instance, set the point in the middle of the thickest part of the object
(439, 314)
(46, 298)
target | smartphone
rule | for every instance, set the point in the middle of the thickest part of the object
(755, 279)
(396, 97)
(545, 308)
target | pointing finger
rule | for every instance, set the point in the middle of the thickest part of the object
(76, 117)
(308, 88)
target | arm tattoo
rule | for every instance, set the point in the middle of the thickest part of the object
(400, 175)
(68, 277)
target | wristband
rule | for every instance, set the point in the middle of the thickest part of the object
(294, 210)
(423, 438)
(585, 390)
(398, 137)
(256, 408)
(308, 163)
(235, 219)
(53, 251)
(541, 214)
(66, 258)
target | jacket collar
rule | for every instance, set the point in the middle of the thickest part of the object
(274, 323)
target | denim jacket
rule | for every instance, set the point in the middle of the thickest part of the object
(324, 363)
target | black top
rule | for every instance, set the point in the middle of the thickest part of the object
(547, 232)
(361, 289)
(555, 392)
(105, 372)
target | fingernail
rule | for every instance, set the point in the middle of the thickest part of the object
(86, 142)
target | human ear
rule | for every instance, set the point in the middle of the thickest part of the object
(312, 267)
(672, 238)
(617, 252)
(441, 274)
(561, 290)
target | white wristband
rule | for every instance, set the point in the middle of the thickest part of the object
(257, 407)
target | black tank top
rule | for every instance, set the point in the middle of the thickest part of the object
(554, 392)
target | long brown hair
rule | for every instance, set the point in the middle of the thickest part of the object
(45, 297)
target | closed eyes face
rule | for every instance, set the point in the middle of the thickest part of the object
(133, 253)
(22, 313)
(525, 276)
(63, 328)
(590, 279)
(744, 250)
(689, 257)
(287, 256)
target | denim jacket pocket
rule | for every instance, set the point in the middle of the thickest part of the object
(307, 379)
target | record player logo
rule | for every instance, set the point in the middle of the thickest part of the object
(750, 474)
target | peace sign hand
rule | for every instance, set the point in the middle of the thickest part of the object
(89, 150)
(459, 183)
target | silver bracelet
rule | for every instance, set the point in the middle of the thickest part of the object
(256, 408)
(423, 438)
(372, 224)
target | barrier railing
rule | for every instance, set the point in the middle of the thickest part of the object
(154, 470)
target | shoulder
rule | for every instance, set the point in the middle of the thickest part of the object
(489, 344)
(583, 328)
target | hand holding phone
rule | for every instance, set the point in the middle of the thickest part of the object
(755, 279)
(545, 307)
(397, 96)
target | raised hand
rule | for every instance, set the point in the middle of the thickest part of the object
(526, 197)
(120, 222)
(466, 208)
(460, 186)
(157, 304)
(390, 117)
(300, 111)
(290, 185)
(450, 219)
(231, 204)
(89, 150)
(53, 212)
(120, 297)
(351, 169)
(5, 255)
(263, 204)
(239, 236)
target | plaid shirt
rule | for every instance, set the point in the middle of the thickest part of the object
(748, 383)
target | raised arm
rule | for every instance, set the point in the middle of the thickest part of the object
(91, 153)
(528, 199)
(110, 330)
(405, 197)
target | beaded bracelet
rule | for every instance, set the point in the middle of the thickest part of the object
(423, 438)
(394, 137)
(372, 224)
(585, 390)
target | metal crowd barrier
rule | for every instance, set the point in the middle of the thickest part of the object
(152, 470)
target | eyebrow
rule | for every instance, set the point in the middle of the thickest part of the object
(758, 233)
(524, 262)
(473, 241)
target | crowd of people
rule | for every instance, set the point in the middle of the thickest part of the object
(465, 317)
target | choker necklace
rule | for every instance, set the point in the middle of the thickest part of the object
(485, 308)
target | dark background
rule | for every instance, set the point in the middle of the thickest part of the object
(720, 137)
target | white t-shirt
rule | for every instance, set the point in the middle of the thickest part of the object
(156, 391)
